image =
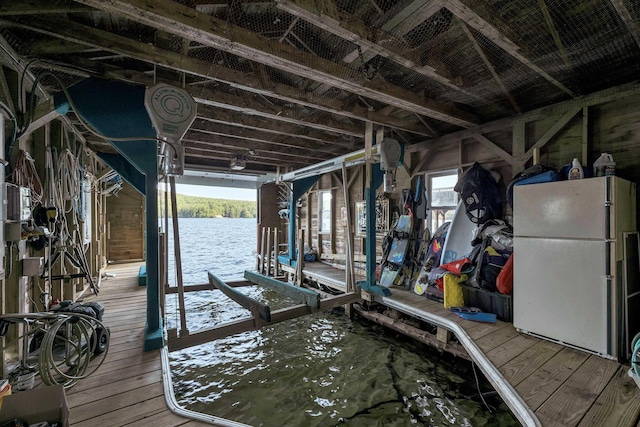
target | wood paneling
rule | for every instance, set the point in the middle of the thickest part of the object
(125, 216)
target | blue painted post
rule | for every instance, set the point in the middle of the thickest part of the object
(370, 198)
(117, 109)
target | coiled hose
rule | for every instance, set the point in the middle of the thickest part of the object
(77, 335)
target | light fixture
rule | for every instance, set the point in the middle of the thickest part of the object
(237, 164)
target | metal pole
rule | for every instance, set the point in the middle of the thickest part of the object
(176, 247)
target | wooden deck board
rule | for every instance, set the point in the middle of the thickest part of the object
(574, 398)
(127, 389)
(541, 384)
(563, 386)
(617, 405)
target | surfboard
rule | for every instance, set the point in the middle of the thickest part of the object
(461, 232)
(395, 259)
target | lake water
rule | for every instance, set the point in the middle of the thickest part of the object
(318, 370)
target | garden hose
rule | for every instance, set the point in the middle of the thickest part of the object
(79, 347)
(79, 335)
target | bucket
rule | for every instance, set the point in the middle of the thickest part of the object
(5, 390)
(604, 166)
(25, 381)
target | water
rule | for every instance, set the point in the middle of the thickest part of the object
(317, 370)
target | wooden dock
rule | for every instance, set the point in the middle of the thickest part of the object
(561, 386)
(128, 388)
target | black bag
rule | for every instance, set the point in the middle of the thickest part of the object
(480, 194)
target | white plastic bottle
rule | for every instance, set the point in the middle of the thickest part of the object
(576, 171)
(604, 166)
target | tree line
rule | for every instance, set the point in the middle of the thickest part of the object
(204, 207)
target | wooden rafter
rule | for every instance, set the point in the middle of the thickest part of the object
(185, 22)
(474, 20)
(96, 38)
(401, 23)
(39, 7)
(243, 143)
(633, 27)
(489, 66)
(554, 33)
(255, 136)
(356, 32)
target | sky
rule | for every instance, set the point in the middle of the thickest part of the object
(217, 192)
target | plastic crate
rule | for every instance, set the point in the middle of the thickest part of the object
(489, 302)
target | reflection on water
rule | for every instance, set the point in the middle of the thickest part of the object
(318, 370)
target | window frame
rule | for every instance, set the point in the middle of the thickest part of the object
(429, 176)
(322, 209)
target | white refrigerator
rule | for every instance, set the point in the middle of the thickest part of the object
(568, 249)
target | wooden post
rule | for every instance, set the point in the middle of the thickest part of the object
(258, 247)
(276, 252)
(268, 268)
(349, 272)
(262, 250)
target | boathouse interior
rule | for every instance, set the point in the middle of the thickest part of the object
(294, 99)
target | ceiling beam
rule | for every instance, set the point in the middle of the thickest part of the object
(188, 23)
(39, 7)
(554, 33)
(224, 117)
(352, 29)
(401, 23)
(96, 38)
(489, 66)
(241, 145)
(633, 28)
(474, 20)
(198, 148)
(254, 136)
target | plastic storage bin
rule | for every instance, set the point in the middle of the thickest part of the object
(489, 302)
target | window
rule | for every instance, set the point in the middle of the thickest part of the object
(443, 200)
(324, 212)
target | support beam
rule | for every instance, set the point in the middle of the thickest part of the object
(596, 98)
(243, 325)
(255, 306)
(489, 66)
(299, 294)
(465, 13)
(548, 135)
(352, 29)
(495, 149)
(103, 40)
(210, 31)
(631, 24)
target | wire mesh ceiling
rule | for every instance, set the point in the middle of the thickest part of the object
(296, 81)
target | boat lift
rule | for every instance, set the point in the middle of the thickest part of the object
(261, 314)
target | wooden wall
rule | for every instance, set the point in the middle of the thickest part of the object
(125, 219)
(612, 126)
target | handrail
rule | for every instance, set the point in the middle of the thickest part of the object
(521, 410)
